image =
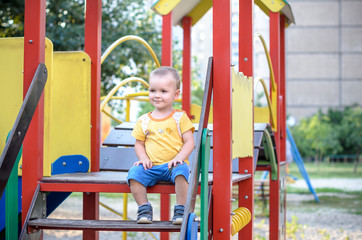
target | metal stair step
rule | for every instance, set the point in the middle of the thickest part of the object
(103, 225)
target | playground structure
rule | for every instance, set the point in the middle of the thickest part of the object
(64, 137)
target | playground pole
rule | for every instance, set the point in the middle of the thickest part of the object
(246, 165)
(274, 206)
(222, 120)
(166, 61)
(283, 120)
(186, 66)
(34, 53)
(92, 46)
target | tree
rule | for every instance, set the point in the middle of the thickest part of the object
(334, 132)
(12, 18)
(350, 131)
(65, 28)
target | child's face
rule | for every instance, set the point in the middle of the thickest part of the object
(163, 92)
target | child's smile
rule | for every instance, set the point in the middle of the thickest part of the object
(163, 92)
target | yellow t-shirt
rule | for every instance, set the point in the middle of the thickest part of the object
(163, 137)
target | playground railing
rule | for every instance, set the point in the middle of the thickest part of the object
(21, 125)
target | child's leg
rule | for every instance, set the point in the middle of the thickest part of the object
(139, 192)
(181, 187)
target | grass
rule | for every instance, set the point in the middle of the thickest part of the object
(327, 170)
(351, 203)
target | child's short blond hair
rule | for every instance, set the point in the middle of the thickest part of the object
(164, 70)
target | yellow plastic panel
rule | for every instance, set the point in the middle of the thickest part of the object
(270, 5)
(196, 111)
(242, 115)
(68, 125)
(49, 59)
(163, 7)
(200, 10)
(11, 82)
(261, 115)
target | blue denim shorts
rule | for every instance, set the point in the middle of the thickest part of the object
(157, 173)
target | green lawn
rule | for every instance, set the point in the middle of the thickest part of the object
(328, 170)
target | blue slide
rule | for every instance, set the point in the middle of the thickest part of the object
(299, 161)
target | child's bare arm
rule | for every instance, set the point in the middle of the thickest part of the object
(185, 151)
(142, 155)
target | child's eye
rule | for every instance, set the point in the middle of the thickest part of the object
(151, 90)
(164, 91)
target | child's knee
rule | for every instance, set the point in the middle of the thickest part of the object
(180, 178)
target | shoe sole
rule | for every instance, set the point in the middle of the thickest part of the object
(144, 221)
(178, 221)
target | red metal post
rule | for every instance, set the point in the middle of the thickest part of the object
(246, 37)
(274, 183)
(222, 119)
(186, 66)
(282, 96)
(246, 165)
(283, 119)
(166, 61)
(34, 53)
(167, 40)
(92, 46)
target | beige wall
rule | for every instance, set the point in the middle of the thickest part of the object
(324, 56)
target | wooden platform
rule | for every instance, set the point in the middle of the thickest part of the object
(108, 182)
(103, 225)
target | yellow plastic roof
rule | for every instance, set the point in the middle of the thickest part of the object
(197, 8)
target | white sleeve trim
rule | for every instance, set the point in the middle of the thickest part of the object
(177, 116)
(145, 120)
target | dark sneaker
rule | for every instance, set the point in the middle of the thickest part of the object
(178, 214)
(144, 214)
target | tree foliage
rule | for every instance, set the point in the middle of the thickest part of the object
(334, 132)
(65, 28)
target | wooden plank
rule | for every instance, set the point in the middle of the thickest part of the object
(119, 137)
(90, 177)
(258, 136)
(114, 178)
(103, 225)
(122, 137)
(117, 159)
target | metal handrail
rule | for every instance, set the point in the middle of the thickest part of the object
(274, 86)
(128, 38)
(114, 90)
(21, 124)
(268, 99)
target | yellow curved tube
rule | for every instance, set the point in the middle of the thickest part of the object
(131, 96)
(268, 99)
(268, 59)
(128, 38)
(115, 89)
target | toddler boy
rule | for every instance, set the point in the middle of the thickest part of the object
(164, 141)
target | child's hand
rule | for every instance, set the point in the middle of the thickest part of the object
(174, 162)
(147, 164)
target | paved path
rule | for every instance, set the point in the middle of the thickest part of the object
(347, 184)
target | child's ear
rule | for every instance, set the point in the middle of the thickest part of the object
(177, 94)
